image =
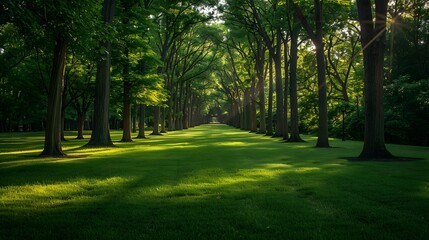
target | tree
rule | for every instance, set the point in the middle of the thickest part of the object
(260, 70)
(141, 133)
(274, 53)
(100, 136)
(61, 23)
(294, 131)
(132, 45)
(82, 94)
(317, 39)
(373, 32)
(52, 147)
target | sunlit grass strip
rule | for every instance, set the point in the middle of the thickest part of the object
(50, 195)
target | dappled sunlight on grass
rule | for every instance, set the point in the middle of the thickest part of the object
(214, 183)
(50, 195)
(21, 152)
(211, 181)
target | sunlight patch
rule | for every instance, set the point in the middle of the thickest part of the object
(233, 144)
(49, 195)
(276, 165)
(307, 169)
(22, 152)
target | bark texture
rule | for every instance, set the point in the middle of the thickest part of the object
(270, 98)
(294, 118)
(373, 43)
(261, 89)
(279, 88)
(126, 112)
(286, 91)
(156, 113)
(141, 133)
(52, 147)
(100, 136)
(317, 39)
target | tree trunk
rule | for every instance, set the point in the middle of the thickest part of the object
(141, 121)
(261, 90)
(156, 121)
(294, 119)
(53, 146)
(134, 116)
(279, 88)
(373, 42)
(246, 110)
(173, 111)
(270, 98)
(100, 136)
(241, 113)
(185, 116)
(126, 131)
(180, 105)
(179, 121)
(286, 91)
(253, 123)
(170, 114)
(80, 124)
(126, 113)
(163, 130)
(317, 39)
(191, 111)
(236, 113)
(322, 133)
(63, 120)
(185, 107)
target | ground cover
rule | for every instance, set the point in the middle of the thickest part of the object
(210, 182)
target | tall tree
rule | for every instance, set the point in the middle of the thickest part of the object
(52, 147)
(274, 49)
(286, 89)
(373, 33)
(317, 39)
(61, 23)
(100, 136)
(294, 123)
(260, 66)
(270, 97)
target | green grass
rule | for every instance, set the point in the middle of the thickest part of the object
(210, 182)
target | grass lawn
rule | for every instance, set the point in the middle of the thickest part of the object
(210, 182)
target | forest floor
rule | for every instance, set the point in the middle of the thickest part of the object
(210, 182)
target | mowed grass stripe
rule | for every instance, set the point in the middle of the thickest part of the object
(210, 182)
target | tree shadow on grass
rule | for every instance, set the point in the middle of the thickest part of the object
(287, 204)
(230, 184)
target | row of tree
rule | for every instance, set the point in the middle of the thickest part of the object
(136, 53)
(331, 76)
(277, 67)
